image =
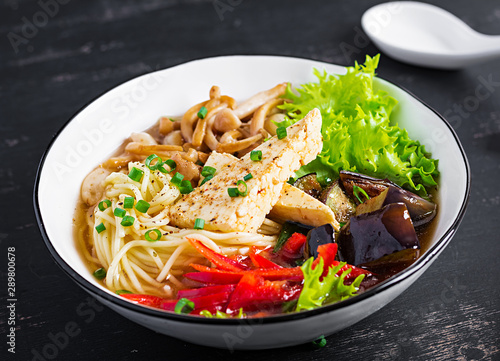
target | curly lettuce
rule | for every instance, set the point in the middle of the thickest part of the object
(318, 291)
(357, 131)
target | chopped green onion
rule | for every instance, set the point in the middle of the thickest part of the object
(199, 223)
(157, 235)
(207, 178)
(266, 139)
(142, 206)
(121, 292)
(184, 306)
(100, 273)
(185, 187)
(127, 221)
(319, 342)
(342, 224)
(256, 155)
(177, 179)
(100, 228)
(171, 163)
(242, 188)
(172, 120)
(151, 158)
(128, 202)
(248, 177)
(233, 192)
(136, 174)
(105, 204)
(207, 170)
(202, 113)
(357, 190)
(120, 212)
(281, 132)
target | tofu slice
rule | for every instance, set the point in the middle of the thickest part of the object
(293, 203)
(280, 159)
(296, 205)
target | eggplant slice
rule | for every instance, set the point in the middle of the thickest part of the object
(370, 236)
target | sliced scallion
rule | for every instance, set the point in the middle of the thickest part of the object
(177, 179)
(152, 158)
(136, 174)
(233, 192)
(202, 113)
(281, 132)
(248, 177)
(184, 305)
(121, 292)
(157, 235)
(100, 228)
(127, 221)
(100, 273)
(242, 188)
(207, 170)
(206, 179)
(185, 187)
(142, 206)
(120, 212)
(256, 155)
(128, 202)
(171, 163)
(199, 223)
(105, 204)
(356, 190)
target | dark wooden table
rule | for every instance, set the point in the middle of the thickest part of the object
(55, 58)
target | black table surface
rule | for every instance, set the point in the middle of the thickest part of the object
(80, 49)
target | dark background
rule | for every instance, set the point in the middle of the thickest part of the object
(88, 47)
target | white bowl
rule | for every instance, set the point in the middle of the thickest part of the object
(94, 133)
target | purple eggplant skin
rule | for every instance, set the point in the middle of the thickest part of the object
(421, 210)
(373, 235)
(316, 237)
(372, 186)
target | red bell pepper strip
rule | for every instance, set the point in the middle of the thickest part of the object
(294, 245)
(146, 300)
(221, 261)
(205, 291)
(204, 302)
(261, 262)
(215, 276)
(254, 293)
(328, 253)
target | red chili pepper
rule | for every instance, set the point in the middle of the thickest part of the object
(262, 262)
(218, 259)
(146, 300)
(254, 293)
(205, 291)
(215, 276)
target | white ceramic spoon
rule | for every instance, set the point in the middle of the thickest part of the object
(426, 35)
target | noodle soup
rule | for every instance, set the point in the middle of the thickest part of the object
(238, 210)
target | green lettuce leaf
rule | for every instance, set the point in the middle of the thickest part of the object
(330, 289)
(357, 132)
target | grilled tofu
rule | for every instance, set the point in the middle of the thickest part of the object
(296, 205)
(293, 203)
(280, 159)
